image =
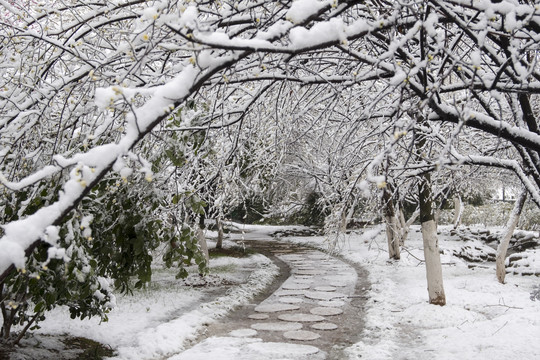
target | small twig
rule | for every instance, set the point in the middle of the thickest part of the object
(421, 261)
(506, 306)
(500, 328)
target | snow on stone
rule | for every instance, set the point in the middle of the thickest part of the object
(259, 316)
(326, 311)
(300, 317)
(323, 295)
(324, 326)
(290, 300)
(270, 308)
(308, 272)
(277, 326)
(289, 292)
(332, 303)
(295, 286)
(302, 280)
(243, 333)
(325, 288)
(302, 335)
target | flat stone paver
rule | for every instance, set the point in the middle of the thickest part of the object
(302, 335)
(326, 311)
(324, 326)
(300, 317)
(277, 326)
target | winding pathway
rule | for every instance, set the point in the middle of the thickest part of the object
(313, 312)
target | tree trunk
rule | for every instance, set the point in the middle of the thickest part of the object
(203, 244)
(458, 211)
(406, 226)
(392, 233)
(431, 243)
(219, 226)
(508, 232)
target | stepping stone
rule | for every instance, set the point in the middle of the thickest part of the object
(332, 303)
(290, 292)
(338, 284)
(276, 350)
(295, 286)
(324, 326)
(277, 326)
(318, 256)
(322, 295)
(271, 308)
(309, 272)
(301, 317)
(290, 300)
(325, 288)
(305, 277)
(338, 278)
(326, 311)
(302, 335)
(259, 316)
(302, 281)
(243, 333)
(292, 257)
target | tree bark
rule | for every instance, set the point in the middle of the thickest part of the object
(431, 243)
(458, 211)
(392, 233)
(202, 243)
(508, 232)
(219, 225)
(406, 226)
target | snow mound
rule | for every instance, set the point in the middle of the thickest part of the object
(524, 263)
(434, 317)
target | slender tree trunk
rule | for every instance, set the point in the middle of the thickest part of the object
(508, 232)
(202, 243)
(392, 233)
(219, 225)
(406, 226)
(431, 243)
(458, 211)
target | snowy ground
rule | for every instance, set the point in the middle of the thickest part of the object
(482, 320)
(161, 320)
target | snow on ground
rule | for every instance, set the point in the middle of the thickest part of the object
(482, 319)
(161, 320)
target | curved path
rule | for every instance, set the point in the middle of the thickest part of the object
(313, 311)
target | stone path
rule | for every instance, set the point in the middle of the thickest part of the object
(313, 314)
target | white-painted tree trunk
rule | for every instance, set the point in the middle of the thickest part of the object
(458, 211)
(433, 263)
(392, 235)
(431, 243)
(508, 232)
(219, 225)
(202, 243)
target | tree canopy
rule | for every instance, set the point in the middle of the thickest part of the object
(187, 105)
